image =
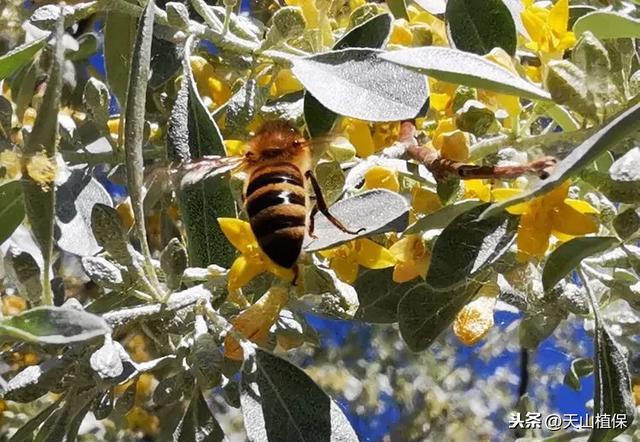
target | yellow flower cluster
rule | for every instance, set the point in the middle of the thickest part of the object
(211, 86)
(548, 28)
(474, 321)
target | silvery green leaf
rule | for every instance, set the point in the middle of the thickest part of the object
(616, 191)
(434, 7)
(198, 423)
(286, 23)
(169, 390)
(612, 392)
(25, 432)
(567, 84)
(331, 179)
(468, 245)
(166, 59)
(288, 107)
(460, 67)
(359, 83)
(173, 261)
(579, 368)
(207, 360)
(34, 381)
(11, 208)
(241, 26)
(75, 199)
(373, 33)
(54, 325)
(608, 24)
(592, 57)
(6, 115)
(478, 27)
(19, 56)
(96, 99)
(377, 211)
(606, 137)
(569, 255)
(23, 270)
(242, 108)
(119, 35)
(626, 223)
(379, 295)
(102, 272)
(441, 217)
(45, 17)
(110, 234)
(178, 15)
(106, 361)
(536, 328)
(423, 314)
(627, 167)
(274, 409)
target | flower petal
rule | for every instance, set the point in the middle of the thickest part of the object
(475, 320)
(242, 271)
(254, 323)
(503, 194)
(533, 234)
(373, 255)
(239, 234)
(570, 221)
(581, 206)
(346, 269)
(379, 177)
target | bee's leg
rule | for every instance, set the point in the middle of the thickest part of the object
(312, 221)
(321, 205)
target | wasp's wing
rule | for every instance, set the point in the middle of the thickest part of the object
(190, 173)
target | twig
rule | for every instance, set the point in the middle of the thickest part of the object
(443, 168)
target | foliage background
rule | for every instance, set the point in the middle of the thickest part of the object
(449, 392)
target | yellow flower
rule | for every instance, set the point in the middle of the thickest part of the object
(401, 33)
(252, 261)
(140, 420)
(42, 170)
(437, 26)
(423, 200)
(477, 189)
(114, 128)
(315, 13)
(452, 143)
(441, 96)
(346, 258)
(412, 258)
(254, 322)
(359, 134)
(234, 147)
(284, 83)
(137, 348)
(548, 28)
(10, 161)
(551, 214)
(385, 134)
(474, 321)
(379, 177)
(211, 87)
(509, 103)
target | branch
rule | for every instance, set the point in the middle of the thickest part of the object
(442, 168)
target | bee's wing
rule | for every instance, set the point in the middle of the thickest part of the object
(192, 172)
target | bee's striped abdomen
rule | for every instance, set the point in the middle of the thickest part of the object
(276, 205)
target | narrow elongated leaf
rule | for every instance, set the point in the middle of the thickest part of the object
(119, 36)
(192, 132)
(442, 217)
(423, 314)
(376, 211)
(11, 209)
(198, 423)
(54, 325)
(18, 57)
(612, 393)
(460, 67)
(579, 368)
(358, 83)
(478, 26)
(607, 137)
(569, 255)
(274, 408)
(467, 245)
(608, 24)
(25, 432)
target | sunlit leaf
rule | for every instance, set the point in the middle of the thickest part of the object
(18, 57)
(608, 24)
(11, 209)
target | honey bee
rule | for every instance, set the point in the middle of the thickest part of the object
(278, 166)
